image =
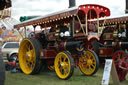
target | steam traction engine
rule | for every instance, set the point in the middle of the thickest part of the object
(113, 41)
(62, 42)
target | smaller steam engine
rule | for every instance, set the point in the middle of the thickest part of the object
(113, 43)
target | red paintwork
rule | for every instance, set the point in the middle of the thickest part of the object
(95, 10)
(50, 62)
(61, 46)
(105, 52)
(47, 54)
(76, 61)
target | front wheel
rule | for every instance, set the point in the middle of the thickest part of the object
(64, 65)
(89, 63)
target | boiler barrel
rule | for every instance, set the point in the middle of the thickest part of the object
(124, 45)
(72, 45)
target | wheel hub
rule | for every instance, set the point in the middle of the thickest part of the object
(64, 65)
(29, 56)
(89, 62)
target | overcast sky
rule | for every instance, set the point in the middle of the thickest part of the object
(43, 7)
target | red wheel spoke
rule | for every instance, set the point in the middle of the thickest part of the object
(119, 56)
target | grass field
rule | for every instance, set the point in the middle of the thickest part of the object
(50, 78)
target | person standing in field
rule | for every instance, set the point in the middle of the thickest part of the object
(122, 69)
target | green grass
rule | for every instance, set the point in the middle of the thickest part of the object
(50, 78)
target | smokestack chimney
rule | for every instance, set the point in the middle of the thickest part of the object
(126, 11)
(72, 3)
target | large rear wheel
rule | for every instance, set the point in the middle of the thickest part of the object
(64, 65)
(89, 63)
(29, 56)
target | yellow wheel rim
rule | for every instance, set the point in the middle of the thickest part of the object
(62, 65)
(27, 57)
(87, 63)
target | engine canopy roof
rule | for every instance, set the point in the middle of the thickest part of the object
(92, 10)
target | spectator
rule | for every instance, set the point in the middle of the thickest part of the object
(122, 69)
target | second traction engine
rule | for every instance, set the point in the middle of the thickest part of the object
(112, 40)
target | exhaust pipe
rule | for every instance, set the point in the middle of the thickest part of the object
(126, 11)
(72, 3)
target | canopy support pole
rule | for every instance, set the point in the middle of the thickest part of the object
(98, 24)
(20, 33)
(103, 23)
(86, 22)
(72, 26)
(81, 25)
